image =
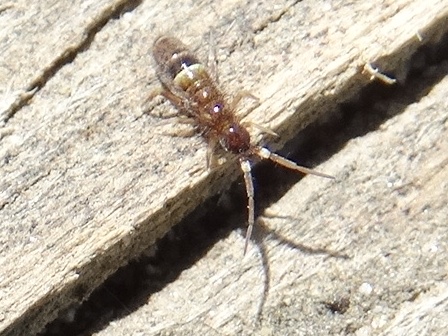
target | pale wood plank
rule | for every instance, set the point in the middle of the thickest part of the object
(38, 38)
(386, 210)
(84, 186)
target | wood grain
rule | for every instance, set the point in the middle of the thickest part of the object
(89, 181)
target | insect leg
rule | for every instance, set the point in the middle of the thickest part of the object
(162, 91)
(211, 146)
(260, 127)
(241, 95)
(212, 61)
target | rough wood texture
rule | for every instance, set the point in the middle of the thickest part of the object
(386, 210)
(89, 181)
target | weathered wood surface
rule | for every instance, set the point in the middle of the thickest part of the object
(386, 210)
(88, 181)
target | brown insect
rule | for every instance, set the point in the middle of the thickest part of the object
(188, 86)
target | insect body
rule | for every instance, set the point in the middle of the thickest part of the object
(187, 84)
